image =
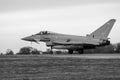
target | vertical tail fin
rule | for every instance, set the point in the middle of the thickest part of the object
(103, 31)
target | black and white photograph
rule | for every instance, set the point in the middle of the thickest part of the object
(59, 39)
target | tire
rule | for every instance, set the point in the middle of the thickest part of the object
(81, 51)
(70, 51)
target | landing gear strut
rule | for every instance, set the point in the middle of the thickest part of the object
(51, 51)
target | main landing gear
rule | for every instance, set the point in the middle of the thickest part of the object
(80, 51)
(51, 50)
(70, 51)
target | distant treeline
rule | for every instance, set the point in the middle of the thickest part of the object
(28, 51)
(32, 51)
(105, 49)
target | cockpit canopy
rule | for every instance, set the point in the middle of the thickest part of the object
(44, 33)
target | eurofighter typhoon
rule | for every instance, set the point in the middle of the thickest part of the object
(72, 42)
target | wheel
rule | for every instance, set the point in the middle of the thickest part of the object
(70, 51)
(81, 51)
(51, 52)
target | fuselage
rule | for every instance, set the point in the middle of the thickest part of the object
(53, 39)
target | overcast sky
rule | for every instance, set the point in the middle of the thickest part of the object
(20, 18)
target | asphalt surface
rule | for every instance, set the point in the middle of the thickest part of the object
(81, 56)
(88, 56)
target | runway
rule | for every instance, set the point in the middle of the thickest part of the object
(80, 56)
(87, 56)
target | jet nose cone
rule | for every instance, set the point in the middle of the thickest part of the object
(23, 38)
(26, 38)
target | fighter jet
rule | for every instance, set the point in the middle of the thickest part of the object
(73, 42)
